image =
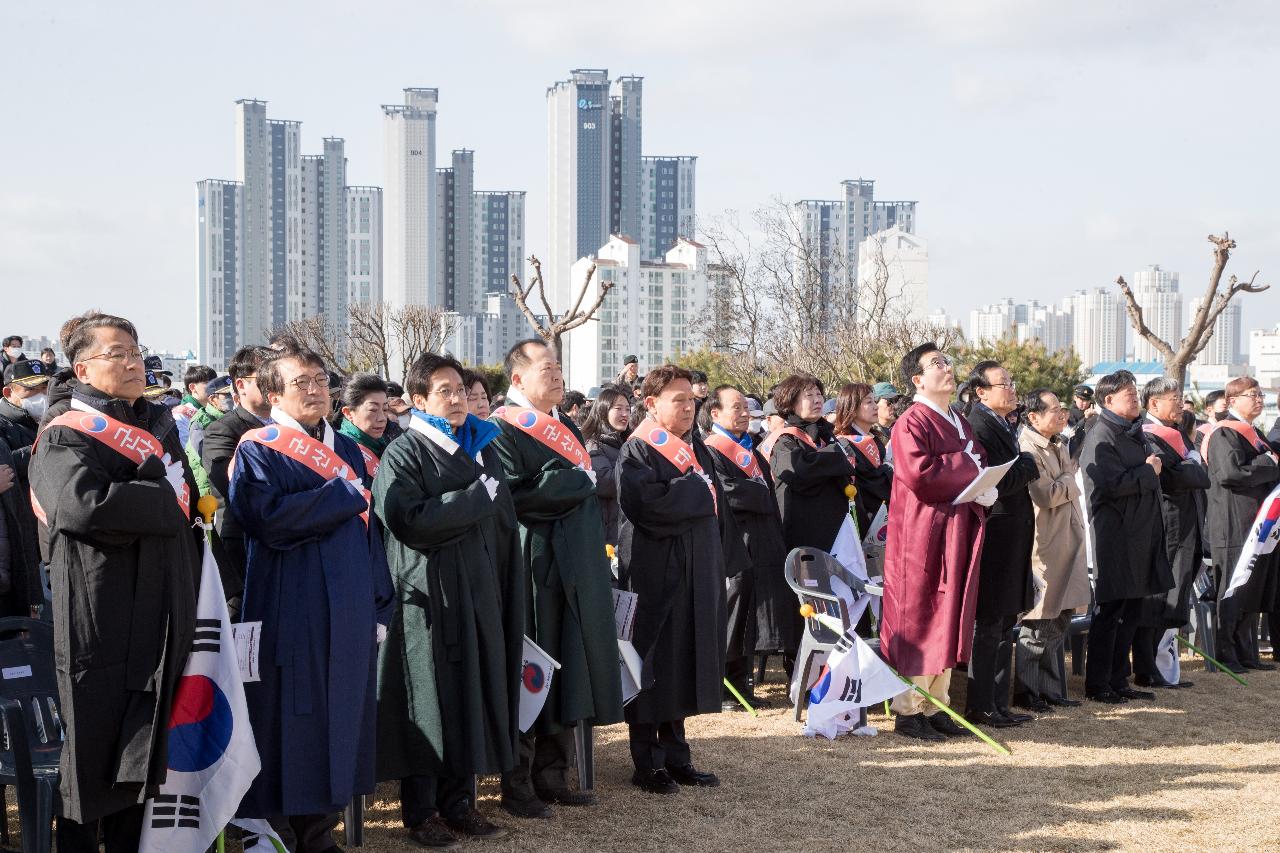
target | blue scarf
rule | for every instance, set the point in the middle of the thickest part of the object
(744, 441)
(473, 436)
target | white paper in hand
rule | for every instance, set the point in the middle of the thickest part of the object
(591, 475)
(173, 473)
(490, 485)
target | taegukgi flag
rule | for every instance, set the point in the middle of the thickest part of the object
(854, 677)
(212, 754)
(535, 682)
(1262, 540)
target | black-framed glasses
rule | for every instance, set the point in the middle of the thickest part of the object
(121, 356)
(307, 384)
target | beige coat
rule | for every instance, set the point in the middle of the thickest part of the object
(1058, 558)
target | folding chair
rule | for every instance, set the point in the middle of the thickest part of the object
(33, 733)
(809, 573)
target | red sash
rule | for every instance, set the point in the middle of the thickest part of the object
(866, 445)
(311, 454)
(133, 443)
(766, 447)
(371, 460)
(674, 450)
(550, 432)
(1250, 435)
(1169, 436)
(736, 453)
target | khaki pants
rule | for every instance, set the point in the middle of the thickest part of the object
(912, 702)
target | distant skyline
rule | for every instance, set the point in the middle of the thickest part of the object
(1050, 149)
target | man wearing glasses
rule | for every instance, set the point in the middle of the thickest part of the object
(1242, 471)
(931, 560)
(316, 579)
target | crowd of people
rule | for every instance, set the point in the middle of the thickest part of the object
(398, 544)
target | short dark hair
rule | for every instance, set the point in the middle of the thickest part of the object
(571, 399)
(359, 386)
(660, 377)
(14, 339)
(284, 341)
(1213, 397)
(518, 358)
(713, 405)
(78, 333)
(1033, 403)
(48, 350)
(790, 389)
(847, 403)
(1113, 383)
(198, 373)
(269, 379)
(910, 366)
(395, 389)
(699, 376)
(471, 377)
(418, 382)
(977, 379)
(246, 361)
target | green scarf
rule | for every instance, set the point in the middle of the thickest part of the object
(350, 430)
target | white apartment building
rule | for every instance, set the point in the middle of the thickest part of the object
(220, 271)
(667, 204)
(906, 265)
(410, 201)
(1098, 324)
(1156, 290)
(1264, 356)
(364, 245)
(484, 337)
(647, 313)
(1224, 347)
(497, 241)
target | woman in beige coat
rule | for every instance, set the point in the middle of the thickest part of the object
(1057, 560)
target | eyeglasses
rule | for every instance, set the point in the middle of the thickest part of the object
(1010, 385)
(121, 356)
(1254, 394)
(942, 362)
(450, 393)
(307, 384)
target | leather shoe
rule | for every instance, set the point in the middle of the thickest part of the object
(692, 776)
(434, 833)
(1259, 665)
(916, 726)
(474, 825)
(1130, 693)
(1107, 698)
(1234, 667)
(991, 719)
(943, 724)
(1015, 716)
(1183, 685)
(1156, 681)
(534, 808)
(1032, 703)
(1062, 702)
(566, 797)
(655, 781)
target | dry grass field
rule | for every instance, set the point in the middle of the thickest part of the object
(1197, 770)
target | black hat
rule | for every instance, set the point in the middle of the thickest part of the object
(155, 364)
(27, 373)
(631, 359)
(1084, 392)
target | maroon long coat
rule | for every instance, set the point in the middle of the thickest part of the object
(933, 549)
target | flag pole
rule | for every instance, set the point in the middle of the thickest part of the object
(221, 843)
(738, 696)
(1213, 661)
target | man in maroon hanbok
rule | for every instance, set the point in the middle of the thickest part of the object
(934, 546)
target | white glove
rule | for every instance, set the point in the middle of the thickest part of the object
(968, 449)
(380, 634)
(1194, 456)
(173, 473)
(590, 474)
(491, 485)
(987, 498)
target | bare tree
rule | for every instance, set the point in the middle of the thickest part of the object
(318, 335)
(552, 327)
(417, 329)
(377, 337)
(1212, 304)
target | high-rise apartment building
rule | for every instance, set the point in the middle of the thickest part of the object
(364, 245)
(220, 277)
(410, 201)
(625, 187)
(454, 229)
(498, 241)
(322, 285)
(893, 275)
(1098, 324)
(667, 204)
(1224, 346)
(1156, 290)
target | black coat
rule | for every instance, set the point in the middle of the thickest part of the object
(809, 485)
(124, 564)
(1183, 487)
(671, 554)
(874, 483)
(18, 430)
(1005, 587)
(778, 624)
(604, 459)
(1240, 478)
(220, 440)
(1123, 493)
(20, 588)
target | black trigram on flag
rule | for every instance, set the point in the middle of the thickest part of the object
(170, 810)
(208, 636)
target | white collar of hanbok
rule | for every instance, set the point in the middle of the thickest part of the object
(433, 434)
(947, 413)
(516, 397)
(284, 420)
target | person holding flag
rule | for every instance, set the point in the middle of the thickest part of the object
(1242, 470)
(569, 609)
(110, 485)
(671, 555)
(449, 672)
(316, 580)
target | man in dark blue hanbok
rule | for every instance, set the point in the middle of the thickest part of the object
(316, 579)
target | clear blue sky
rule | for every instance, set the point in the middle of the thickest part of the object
(1051, 146)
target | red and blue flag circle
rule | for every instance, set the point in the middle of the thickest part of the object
(533, 677)
(93, 423)
(744, 459)
(269, 433)
(200, 724)
(658, 437)
(527, 419)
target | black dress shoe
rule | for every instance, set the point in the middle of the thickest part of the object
(916, 726)
(474, 825)
(566, 797)
(655, 782)
(435, 834)
(1106, 697)
(1155, 681)
(1063, 702)
(1259, 665)
(692, 776)
(1032, 703)
(1183, 685)
(991, 719)
(1130, 693)
(944, 725)
(1015, 716)
(534, 808)
(1233, 666)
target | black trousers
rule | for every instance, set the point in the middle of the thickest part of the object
(740, 641)
(1145, 642)
(423, 797)
(658, 745)
(542, 764)
(121, 832)
(991, 664)
(1110, 638)
(306, 833)
(1237, 642)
